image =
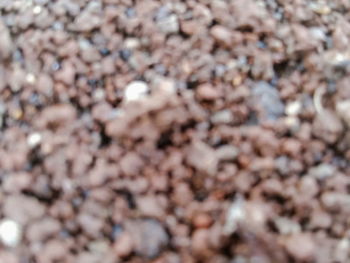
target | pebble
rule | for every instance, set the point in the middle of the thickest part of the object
(124, 245)
(6, 45)
(135, 90)
(125, 54)
(149, 237)
(42, 229)
(343, 109)
(202, 157)
(27, 208)
(149, 206)
(37, 10)
(287, 226)
(131, 164)
(86, 21)
(10, 233)
(293, 108)
(322, 171)
(207, 92)
(202, 220)
(222, 117)
(335, 201)
(320, 8)
(227, 153)
(269, 99)
(235, 214)
(58, 114)
(328, 126)
(222, 35)
(9, 257)
(34, 139)
(66, 74)
(30, 78)
(169, 24)
(301, 247)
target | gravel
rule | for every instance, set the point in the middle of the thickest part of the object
(174, 131)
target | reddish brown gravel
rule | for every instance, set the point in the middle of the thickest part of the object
(174, 131)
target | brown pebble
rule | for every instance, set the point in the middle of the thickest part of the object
(301, 246)
(123, 246)
(207, 92)
(202, 220)
(222, 35)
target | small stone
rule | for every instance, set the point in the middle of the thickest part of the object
(222, 117)
(90, 55)
(131, 164)
(169, 24)
(125, 54)
(222, 35)
(104, 52)
(301, 247)
(86, 21)
(166, 86)
(99, 94)
(227, 153)
(149, 206)
(320, 219)
(287, 226)
(203, 158)
(6, 45)
(135, 90)
(37, 10)
(202, 220)
(16, 114)
(9, 257)
(99, 247)
(66, 74)
(269, 99)
(200, 242)
(318, 33)
(328, 126)
(58, 114)
(236, 213)
(292, 122)
(322, 171)
(90, 224)
(293, 108)
(132, 43)
(43, 229)
(336, 58)
(342, 250)
(30, 78)
(343, 110)
(123, 247)
(207, 92)
(149, 237)
(34, 139)
(237, 80)
(10, 233)
(320, 8)
(23, 209)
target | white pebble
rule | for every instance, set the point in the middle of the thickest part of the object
(10, 233)
(235, 214)
(34, 139)
(293, 108)
(132, 43)
(343, 109)
(30, 78)
(135, 90)
(37, 10)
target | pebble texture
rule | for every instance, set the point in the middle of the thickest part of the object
(174, 131)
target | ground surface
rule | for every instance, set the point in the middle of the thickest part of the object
(174, 131)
